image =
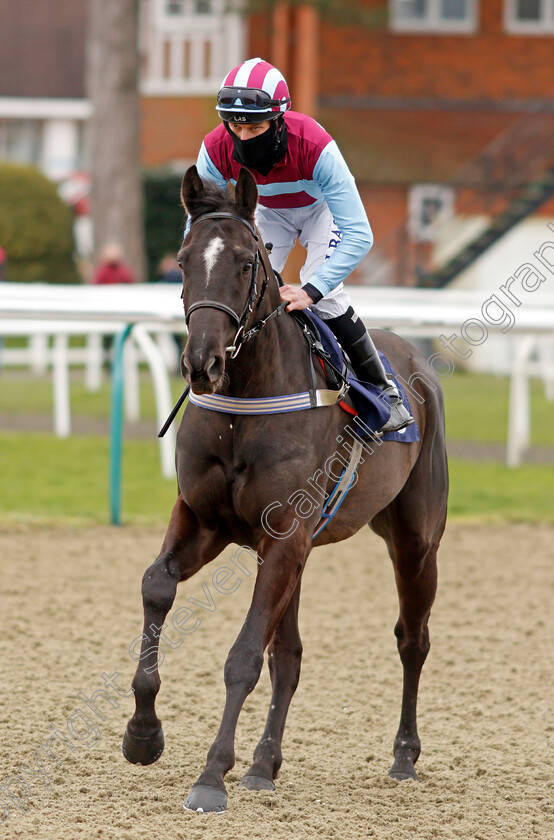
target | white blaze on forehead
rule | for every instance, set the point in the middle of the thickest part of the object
(211, 254)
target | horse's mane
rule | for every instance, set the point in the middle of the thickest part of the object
(213, 198)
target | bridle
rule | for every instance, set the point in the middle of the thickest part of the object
(313, 398)
(254, 298)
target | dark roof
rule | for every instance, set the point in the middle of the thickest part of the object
(42, 48)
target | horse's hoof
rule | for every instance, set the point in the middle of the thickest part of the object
(402, 771)
(143, 750)
(205, 799)
(256, 783)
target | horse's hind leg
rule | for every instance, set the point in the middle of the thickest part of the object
(416, 581)
(186, 548)
(284, 658)
(412, 526)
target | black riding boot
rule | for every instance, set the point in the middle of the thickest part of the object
(367, 364)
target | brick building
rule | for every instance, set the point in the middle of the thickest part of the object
(416, 93)
(43, 109)
(412, 90)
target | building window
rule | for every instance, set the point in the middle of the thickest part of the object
(175, 8)
(529, 17)
(188, 45)
(429, 205)
(433, 16)
(21, 141)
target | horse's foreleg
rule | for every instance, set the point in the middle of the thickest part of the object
(277, 578)
(284, 657)
(185, 549)
(416, 580)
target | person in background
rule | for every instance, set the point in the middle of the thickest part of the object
(3, 258)
(169, 271)
(112, 267)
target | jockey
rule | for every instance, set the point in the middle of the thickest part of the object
(306, 192)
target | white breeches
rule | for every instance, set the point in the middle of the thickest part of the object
(316, 231)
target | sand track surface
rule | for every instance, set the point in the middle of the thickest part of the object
(71, 608)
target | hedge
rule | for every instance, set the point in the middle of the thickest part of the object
(164, 216)
(35, 227)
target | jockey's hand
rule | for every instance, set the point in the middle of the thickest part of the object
(297, 297)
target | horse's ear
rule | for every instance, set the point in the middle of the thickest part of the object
(246, 194)
(192, 190)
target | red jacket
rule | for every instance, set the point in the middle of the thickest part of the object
(109, 273)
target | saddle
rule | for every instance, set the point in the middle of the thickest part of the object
(359, 398)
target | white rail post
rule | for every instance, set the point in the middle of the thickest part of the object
(169, 350)
(60, 389)
(131, 393)
(162, 393)
(93, 362)
(39, 353)
(546, 363)
(519, 407)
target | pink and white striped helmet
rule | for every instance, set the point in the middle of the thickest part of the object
(252, 92)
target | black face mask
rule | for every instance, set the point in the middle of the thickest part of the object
(263, 152)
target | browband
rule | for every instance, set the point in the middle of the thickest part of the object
(221, 214)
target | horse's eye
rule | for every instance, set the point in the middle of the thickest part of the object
(180, 264)
(247, 266)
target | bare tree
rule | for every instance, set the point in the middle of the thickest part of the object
(112, 83)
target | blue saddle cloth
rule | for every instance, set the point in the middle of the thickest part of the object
(368, 400)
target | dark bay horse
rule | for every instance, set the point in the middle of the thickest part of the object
(233, 468)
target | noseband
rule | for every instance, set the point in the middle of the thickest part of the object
(253, 300)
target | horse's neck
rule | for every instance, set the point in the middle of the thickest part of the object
(272, 363)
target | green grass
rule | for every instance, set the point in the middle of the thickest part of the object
(488, 490)
(33, 395)
(476, 405)
(42, 477)
(46, 477)
(477, 409)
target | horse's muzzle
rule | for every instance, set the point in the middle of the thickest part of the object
(203, 376)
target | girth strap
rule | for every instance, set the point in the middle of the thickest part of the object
(267, 405)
